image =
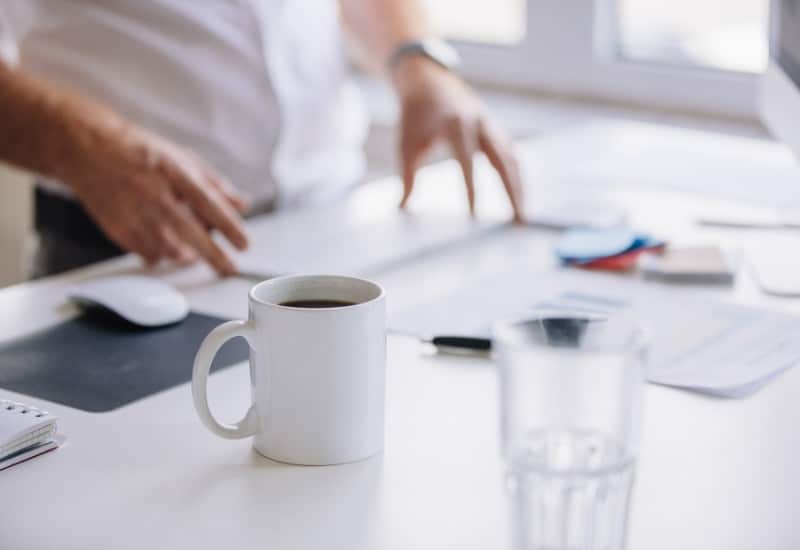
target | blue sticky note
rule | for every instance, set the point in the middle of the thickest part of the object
(581, 244)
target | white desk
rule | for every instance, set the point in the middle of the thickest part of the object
(712, 473)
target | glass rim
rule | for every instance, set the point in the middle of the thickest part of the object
(504, 335)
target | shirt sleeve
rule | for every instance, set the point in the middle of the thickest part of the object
(8, 41)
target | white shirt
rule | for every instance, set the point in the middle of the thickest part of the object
(258, 88)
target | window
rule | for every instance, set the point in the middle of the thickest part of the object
(495, 22)
(689, 55)
(720, 34)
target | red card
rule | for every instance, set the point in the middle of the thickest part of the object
(621, 262)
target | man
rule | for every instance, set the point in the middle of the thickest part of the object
(155, 122)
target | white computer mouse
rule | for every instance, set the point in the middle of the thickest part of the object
(143, 301)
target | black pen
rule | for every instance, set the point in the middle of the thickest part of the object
(470, 344)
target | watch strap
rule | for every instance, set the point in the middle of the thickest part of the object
(438, 51)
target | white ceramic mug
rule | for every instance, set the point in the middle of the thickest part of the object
(317, 374)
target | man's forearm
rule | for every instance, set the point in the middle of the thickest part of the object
(382, 25)
(50, 131)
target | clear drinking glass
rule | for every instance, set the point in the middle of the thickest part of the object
(571, 393)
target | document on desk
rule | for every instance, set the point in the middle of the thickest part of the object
(360, 234)
(328, 240)
(697, 343)
(363, 232)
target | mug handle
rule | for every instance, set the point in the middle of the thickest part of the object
(246, 427)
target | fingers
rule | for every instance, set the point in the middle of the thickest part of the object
(215, 211)
(234, 197)
(412, 151)
(129, 229)
(190, 230)
(466, 137)
(173, 247)
(498, 151)
(239, 201)
(410, 165)
(208, 203)
(197, 202)
(138, 241)
(464, 142)
(151, 239)
(145, 245)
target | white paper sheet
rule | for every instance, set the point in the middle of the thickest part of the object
(360, 233)
(696, 343)
(328, 240)
(364, 232)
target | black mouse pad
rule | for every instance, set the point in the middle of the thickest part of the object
(98, 363)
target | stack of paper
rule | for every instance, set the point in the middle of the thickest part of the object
(696, 343)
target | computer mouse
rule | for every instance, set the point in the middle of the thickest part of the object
(142, 301)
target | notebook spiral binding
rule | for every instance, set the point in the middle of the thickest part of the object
(21, 408)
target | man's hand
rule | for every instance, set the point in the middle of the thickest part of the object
(437, 105)
(158, 200)
(149, 196)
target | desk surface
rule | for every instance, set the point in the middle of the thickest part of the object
(712, 473)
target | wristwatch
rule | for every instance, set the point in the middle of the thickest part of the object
(435, 49)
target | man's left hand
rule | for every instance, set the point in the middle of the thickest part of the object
(437, 105)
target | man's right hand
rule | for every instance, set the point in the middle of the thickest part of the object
(159, 200)
(148, 195)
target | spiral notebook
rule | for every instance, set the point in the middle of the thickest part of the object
(25, 432)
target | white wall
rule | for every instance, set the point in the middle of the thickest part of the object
(15, 223)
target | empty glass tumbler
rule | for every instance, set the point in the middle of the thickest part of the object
(571, 393)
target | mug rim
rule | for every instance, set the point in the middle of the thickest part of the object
(381, 292)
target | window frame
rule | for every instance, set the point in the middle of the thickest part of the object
(581, 35)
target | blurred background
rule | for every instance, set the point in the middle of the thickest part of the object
(543, 63)
(640, 51)
(727, 35)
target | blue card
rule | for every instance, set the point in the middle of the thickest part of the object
(584, 244)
